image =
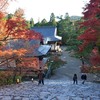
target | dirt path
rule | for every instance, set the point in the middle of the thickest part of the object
(68, 70)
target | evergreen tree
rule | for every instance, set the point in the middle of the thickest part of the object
(52, 17)
(52, 21)
(67, 16)
(44, 22)
(31, 22)
(69, 30)
(9, 16)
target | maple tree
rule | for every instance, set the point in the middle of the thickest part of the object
(91, 35)
(13, 29)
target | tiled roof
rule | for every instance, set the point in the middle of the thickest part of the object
(41, 50)
(45, 30)
(22, 44)
(34, 45)
(48, 32)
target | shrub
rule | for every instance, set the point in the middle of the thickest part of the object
(6, 77)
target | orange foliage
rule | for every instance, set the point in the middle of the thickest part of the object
(15, 28)
(12, 29)
(29, 62)
(93, 69)
(85, 69)
(10, 52)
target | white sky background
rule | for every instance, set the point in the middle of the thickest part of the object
(40, 9)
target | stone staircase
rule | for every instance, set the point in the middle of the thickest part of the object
(52, 90)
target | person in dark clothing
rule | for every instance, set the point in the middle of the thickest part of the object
(82, 59)
(75, 79)
(84, 78)
(41, 76)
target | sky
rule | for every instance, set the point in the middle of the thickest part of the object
(40, 9)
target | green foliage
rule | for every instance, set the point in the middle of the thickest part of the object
(70, 30)
(18, 77)
(72, 48)
(52, 17)
(37, 24)
(28, 24)
(44, 22)
(31, 23)
(85, 53)
(6, 78)
(52, 21)
(67, 30)
(55, 62)
(9, 16)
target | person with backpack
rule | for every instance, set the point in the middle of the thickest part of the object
(75, 79)
(41, 76)
(84, 78)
